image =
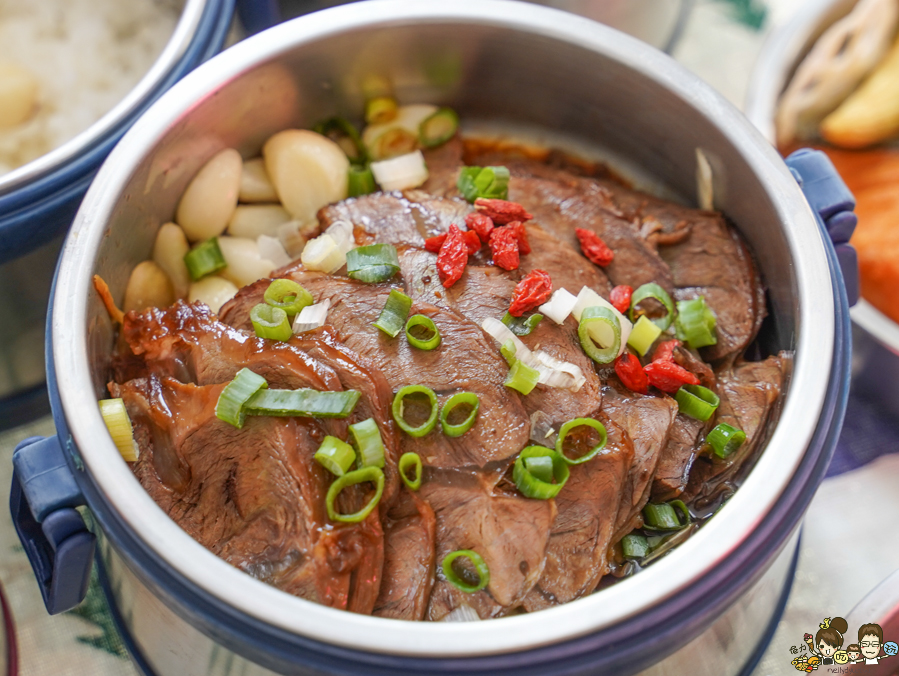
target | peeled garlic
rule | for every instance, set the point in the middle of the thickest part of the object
(213, 290)
(211, 197)
(245, 265)
(148, 286)
(257, 219)
(168, 253)
(255, 185)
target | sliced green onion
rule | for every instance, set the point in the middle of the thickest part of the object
(522, 377)
(372, 474)
(367, 440)
(540, 467)
(643, 335)
(344, 134)
(204, 259)
(600, 321)
(695, 323)
(653, 290)
(438, 128)
(407, 461)
(696, 401)
(459, 399)
(508, 350)
(303, 403)
(433, 334)
(335, 455)
(457, 581)
(394, 141)
(287, 295)
(634, 546)
(532, 486)
(373, 263)
(393, 316)
(581, 422)
(681, 507)
(522, 326)
(380, 109)
(270, 322)
(488, 182)
(725, 439)
(360, 181)
(231, 402)
(119, 425)
(661, 517)
(398, 410)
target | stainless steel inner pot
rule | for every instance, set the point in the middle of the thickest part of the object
(511, 65)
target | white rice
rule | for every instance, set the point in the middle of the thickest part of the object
(86, 55)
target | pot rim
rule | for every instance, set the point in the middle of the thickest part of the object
(719, 539)
(175, 48)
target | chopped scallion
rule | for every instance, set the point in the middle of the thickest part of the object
(304, 403)
(380, 109)
(487, 182)
(372, 474)
(643, 335)
(530, 484)
(696, 401)
(360, 181)
(432, 336)
(522, 326)
(393, 316)
(230, 404)
(287, 295)
(695, 323)
(457, 580)
(410, 461)
(335, 455)
(653, 290)
(459, 399)
(522, 377)
(581, 422)
(204, 259)
(600, 322)
(540, 467)
(398, 410)
(634, 546)
(372, 263)
(366, 438)
(438, 128)
(661, 516)
(344, 134)
(119, 425)
(725, 439)
(270, 322)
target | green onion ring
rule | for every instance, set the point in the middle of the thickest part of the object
(695, 324)
(459, 399)
(270, 322)
(427, 343)
(577, 422)
(521, 377)
(204, 259)
(408, 460)
(367, 441)
(372, 274)
(540, 467)
(660, 516)
(725, 439)
(373, 474)
(477, 562)
(397, 410)
(287, 295)
(305, 403)
(360, 181)
(681, 507)
(231, 402)
(599, 315)
(634, 546)
(335, 455)
(438, 128)
(696, 401)
(643, 335)
(393, 316)
(522, 326)
(653, 290)
(532, 487)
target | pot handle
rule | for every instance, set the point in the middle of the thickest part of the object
(833, 205)
(58, 544)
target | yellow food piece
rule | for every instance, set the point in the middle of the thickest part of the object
(871, 113)
(148, 286)
(18, 94)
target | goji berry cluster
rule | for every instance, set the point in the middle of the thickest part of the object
(662, 372)
(594, 248)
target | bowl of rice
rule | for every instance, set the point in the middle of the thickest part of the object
(74, 76)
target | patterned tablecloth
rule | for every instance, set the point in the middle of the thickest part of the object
(846, 547)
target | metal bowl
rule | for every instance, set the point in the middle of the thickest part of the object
(514, 66)
(875, 366)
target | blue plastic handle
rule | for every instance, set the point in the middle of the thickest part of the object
(42, 502)
(833, 205)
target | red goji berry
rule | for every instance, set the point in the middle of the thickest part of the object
(593, 247)
(481, 224)
(534, 289)
(665, 351)
(620, 297)
(631, 373)
(433, 244)
(668, 376)
(453, 257)
(472, 241)
(504, 248)
(521, 235)
(501, 211)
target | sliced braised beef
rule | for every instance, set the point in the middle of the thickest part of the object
(749, 393)
(443, 164)
(676, 459)
(582, 531)
(409, 540)
(253, 496)
(508, 531)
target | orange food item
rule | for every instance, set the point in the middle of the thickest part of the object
(873, 177)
